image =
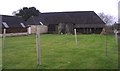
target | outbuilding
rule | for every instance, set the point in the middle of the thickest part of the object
(85, 22)
(13, 25)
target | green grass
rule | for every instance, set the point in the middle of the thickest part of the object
(0, 53)
(60, 52)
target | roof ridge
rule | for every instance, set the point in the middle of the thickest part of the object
(67, 12)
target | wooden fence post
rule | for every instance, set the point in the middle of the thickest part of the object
(38, 45)
(76, 38)
(4, 35)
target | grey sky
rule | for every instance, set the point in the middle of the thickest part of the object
(106, 6)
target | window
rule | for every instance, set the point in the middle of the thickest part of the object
(5, 24)
(22, 25)
(41, 23)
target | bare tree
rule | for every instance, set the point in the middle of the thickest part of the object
(15, 12)
(108, 19)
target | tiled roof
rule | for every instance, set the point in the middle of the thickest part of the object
(12, 21)
(77, 17)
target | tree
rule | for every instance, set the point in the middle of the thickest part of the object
(108, 19)
(26, 12)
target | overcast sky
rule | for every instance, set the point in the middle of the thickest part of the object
(106, 6)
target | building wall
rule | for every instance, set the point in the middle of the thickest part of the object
(42, 28)
(52, 28)
(15, 30)
(14, 34)
(67, 28)
(89, 30)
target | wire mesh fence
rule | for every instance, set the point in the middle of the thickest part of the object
(0, 44)
(119, 50)
(59, 51)
(0, 53)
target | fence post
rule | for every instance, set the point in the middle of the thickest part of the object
(4, 35)
(38, 45)
(76, 38)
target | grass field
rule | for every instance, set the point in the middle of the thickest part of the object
(60, 52)
(0, 52)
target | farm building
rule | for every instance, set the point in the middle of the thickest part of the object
(117, 26)
(13, 25)
(86, 22)
(34, 22)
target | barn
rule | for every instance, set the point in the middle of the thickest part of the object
(117, 26)
(13, 25)
(34, 22)
(86, 22)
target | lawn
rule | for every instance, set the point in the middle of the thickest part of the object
(0, 52)
(60, 52)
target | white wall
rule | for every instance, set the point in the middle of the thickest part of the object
(42, 28)
(29, 30)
